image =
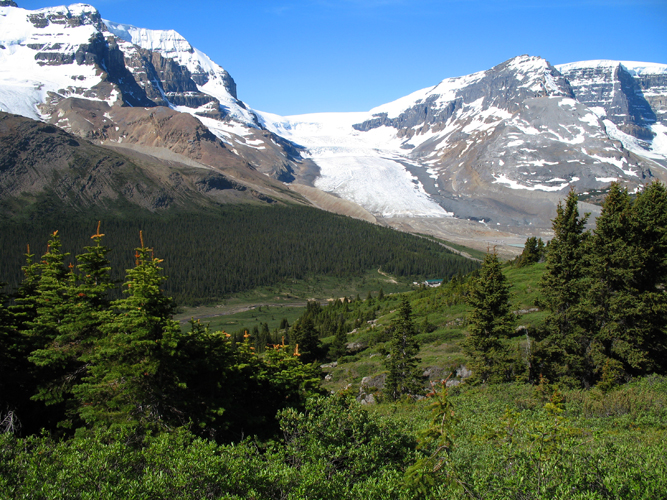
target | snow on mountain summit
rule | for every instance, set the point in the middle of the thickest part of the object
(38, 51)
(210, 77)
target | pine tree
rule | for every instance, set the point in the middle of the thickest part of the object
(403, 375)
(561, 347)
(490, 321)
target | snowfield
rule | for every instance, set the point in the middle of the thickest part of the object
(363, 167)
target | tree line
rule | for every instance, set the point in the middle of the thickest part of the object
(208, 256)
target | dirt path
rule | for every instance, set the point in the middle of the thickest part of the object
(389, 278)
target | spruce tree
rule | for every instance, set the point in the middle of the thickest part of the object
(50, 353)
(533, 252)
(50, 301)
(490, 321)
(306, 336)
(650, 210)
(24, 309)
(133, 377)
(339, 345)
(403, 375)
(624, 308)
(560, 352)
(85, 298)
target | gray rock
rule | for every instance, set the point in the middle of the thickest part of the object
(463, 372)
(366, 399)
(355, 346)
(370, 383)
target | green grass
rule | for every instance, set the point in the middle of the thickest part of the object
(242, 320)
(288, 299)
(441, 348)
(477, 254)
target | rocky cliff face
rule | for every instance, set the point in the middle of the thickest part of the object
(76, 54)
(620, 94)
(504, 87)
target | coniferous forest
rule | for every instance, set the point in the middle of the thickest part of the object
(209, 256)
(105, 396)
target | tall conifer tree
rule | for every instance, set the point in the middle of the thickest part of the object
(650, 209)
(625, 308)
(404, 376)
(560, 353)
(50, 353)
(490, 321)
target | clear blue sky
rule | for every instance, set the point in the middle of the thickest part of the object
(303, 56)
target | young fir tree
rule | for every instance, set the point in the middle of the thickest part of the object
(403, 375)
(50, 295)
(533, 252)
(490, 321)
(24, 309)
(50, 352)
(74, 337)
(339, 345)
(133, 378)
(560, 352)
(306, 336)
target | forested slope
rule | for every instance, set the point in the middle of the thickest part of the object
(211, 254)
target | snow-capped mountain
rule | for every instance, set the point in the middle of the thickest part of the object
(500, 146)
(68, 66)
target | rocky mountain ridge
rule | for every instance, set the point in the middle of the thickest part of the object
(43, 168)
(52, 55)
(499, 147)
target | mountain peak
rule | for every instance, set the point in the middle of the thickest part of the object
(72, 16)
(163, 41)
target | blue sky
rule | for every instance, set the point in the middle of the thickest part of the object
(304, 56)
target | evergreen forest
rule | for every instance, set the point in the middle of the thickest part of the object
(543, 377)
(208, 256)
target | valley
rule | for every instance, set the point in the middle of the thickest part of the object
(498, 148)
(458, 294)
